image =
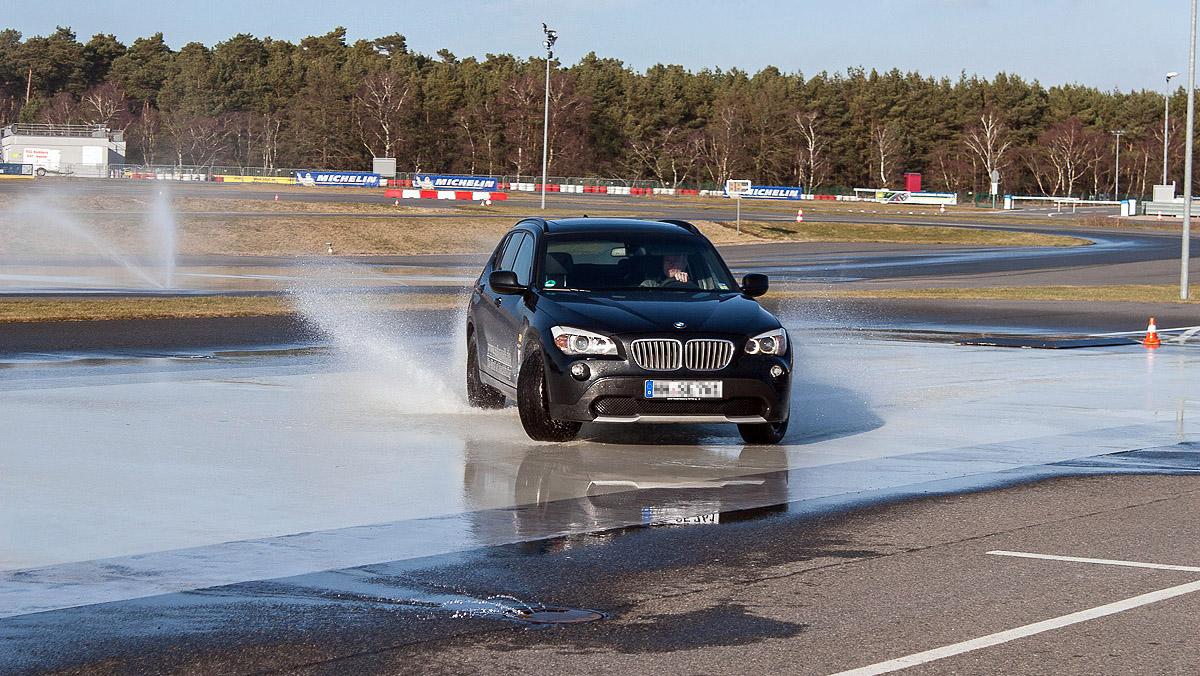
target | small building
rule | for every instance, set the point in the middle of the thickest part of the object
(67, 149)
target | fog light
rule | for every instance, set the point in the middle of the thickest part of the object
(579, 371)
(776, 371)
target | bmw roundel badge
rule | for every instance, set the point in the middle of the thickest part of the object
(680, 325)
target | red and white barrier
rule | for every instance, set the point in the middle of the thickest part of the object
(477, 196)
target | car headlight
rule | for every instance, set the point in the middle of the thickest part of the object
(577, 341)
(771, 342)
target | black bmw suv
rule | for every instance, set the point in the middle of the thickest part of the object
(624, 321)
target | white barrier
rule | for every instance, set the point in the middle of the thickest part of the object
(1011, 200)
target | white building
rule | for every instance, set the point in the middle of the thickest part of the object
(67, 149)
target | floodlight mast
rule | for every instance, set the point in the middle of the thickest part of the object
(1166, 122)
(548, 43)
(1117, 173)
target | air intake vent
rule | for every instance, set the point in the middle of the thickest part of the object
(657, 354)
(707, 355)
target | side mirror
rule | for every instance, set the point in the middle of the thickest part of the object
(755, 284)
(504, 282)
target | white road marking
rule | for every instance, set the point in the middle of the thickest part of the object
(1107, 562)
(1037, 627)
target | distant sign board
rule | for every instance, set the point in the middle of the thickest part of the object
(737, 187)
(16, 169)
(770, 192)
(354, 178)
(384, 166)
(45, 158)
(432, 182)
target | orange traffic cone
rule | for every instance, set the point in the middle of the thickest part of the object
(277, 197)
(1159, 216)
(397, 202)
(799, 215)
(942, 209)
(1152, 335)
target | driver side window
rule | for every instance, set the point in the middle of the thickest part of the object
(505, 261)
(523, 265)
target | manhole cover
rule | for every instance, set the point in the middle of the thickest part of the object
(552, 615)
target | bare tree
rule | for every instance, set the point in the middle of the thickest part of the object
(813, 163)
(669, 155)
(885, 144)
(1146, 154)
(724, 143)
(269, 127)
(1066, 147)
(522, 106)
(198, 141)
(105, 104)
(988, 141)
(568, 126)
(1099, 160)
(62, 109)
(379, 106)
(949, 169)
(1043, 171)
(255, 138)
(144, 133)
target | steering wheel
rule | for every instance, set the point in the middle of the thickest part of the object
(676, 284)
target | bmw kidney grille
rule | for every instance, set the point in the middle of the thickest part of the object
(665, 354)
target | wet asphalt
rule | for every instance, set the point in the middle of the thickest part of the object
(791, 590)
(805, 587)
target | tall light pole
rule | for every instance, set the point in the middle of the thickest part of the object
(1185, 254)
(1117, 175)
(548, 43)
(1166, 122)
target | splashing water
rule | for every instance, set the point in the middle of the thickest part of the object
(399, 368)
(40, 226)
(164, 228)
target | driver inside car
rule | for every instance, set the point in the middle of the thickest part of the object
(674, 269)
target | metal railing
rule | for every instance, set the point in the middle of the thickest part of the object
(64, 130)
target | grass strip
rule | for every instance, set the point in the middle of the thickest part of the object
(899, 234)
(1132, 293)
(183, 307)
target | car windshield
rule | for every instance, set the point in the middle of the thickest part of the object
(636, 260)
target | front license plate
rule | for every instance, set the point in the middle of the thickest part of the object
(683, 389)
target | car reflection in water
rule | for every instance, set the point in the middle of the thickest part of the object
(581, 489)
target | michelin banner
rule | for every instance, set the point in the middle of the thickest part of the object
(431, 182)
(768, 192)
(353, 178)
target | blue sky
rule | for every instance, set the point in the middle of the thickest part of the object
(1100, 43)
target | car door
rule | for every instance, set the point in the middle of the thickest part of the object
(510, 315)
(492, 336)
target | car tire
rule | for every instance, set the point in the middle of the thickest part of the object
(40, 171)
(763, 433)
(479, 393)
(534, 407)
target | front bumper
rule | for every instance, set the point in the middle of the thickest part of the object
(615, 392)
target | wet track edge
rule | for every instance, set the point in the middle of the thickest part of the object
(364, 611)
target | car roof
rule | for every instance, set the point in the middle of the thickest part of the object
(563, 225)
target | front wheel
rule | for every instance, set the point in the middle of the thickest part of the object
(534, 405)
(763, 433)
